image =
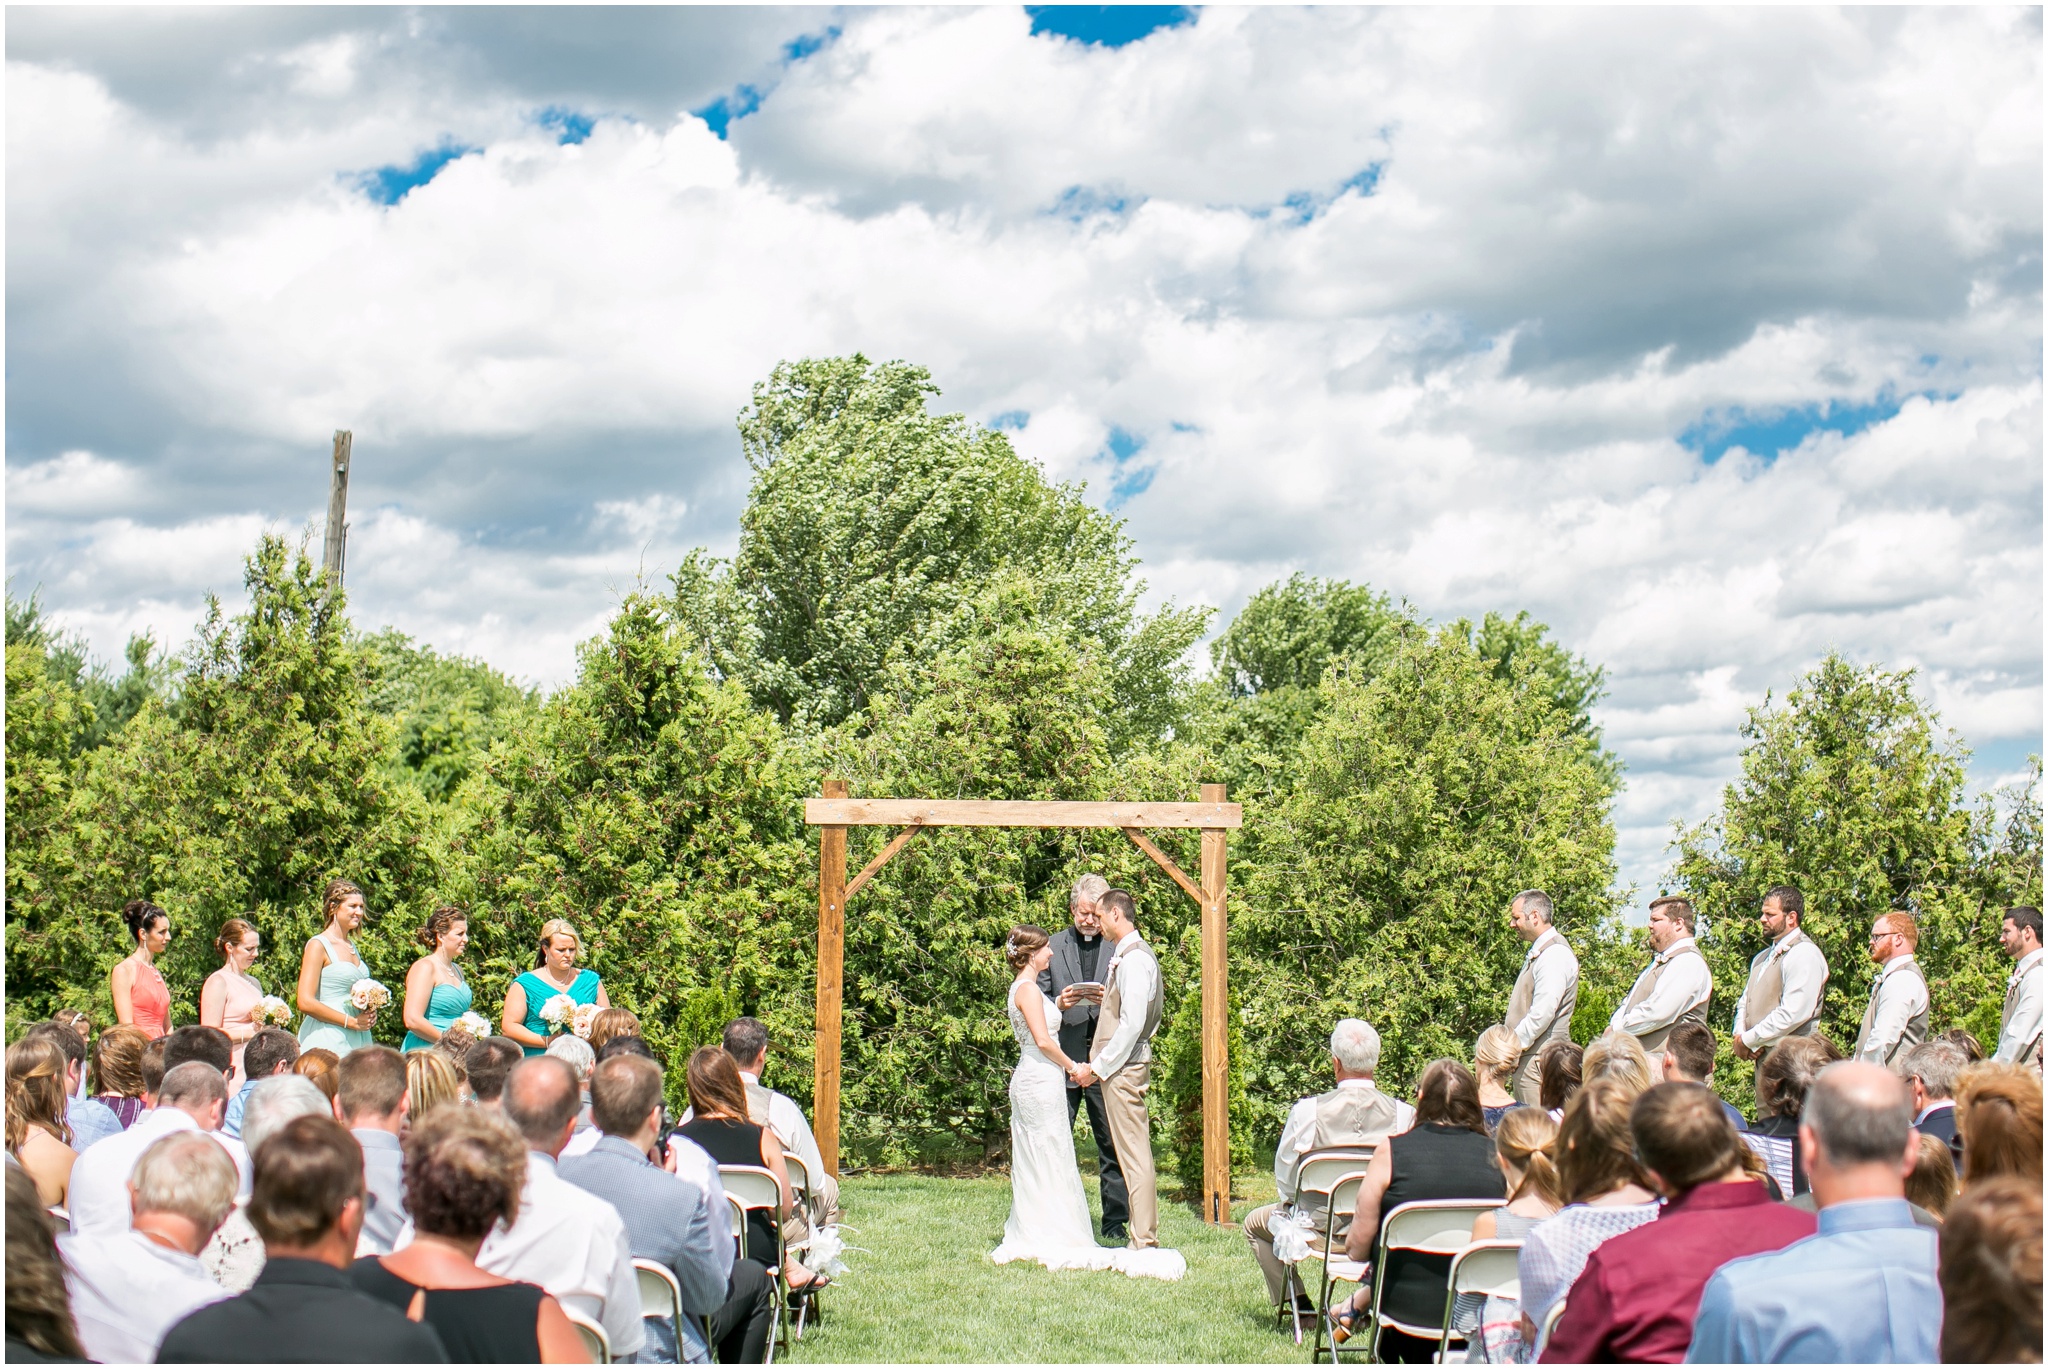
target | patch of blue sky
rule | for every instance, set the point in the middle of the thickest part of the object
(1011, 420)
(1304, 205)
(720, 113)
(1769, 433)
(803, 45)
(1079, 202)
(1107, 26)
(569, 126)
(390, 184)
(1129, 479)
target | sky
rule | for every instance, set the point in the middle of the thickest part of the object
(1712, 337)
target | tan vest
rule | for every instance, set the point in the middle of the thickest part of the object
(1113, 1008)
(1352, 1117)
(1916, 1026)
(757, 1103)
(1767, 988)
(2031, 1053)
(1648, 984)
(1525, 994)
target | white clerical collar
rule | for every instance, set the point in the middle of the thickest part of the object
(1674, 948)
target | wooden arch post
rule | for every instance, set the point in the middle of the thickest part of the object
(1213, 817)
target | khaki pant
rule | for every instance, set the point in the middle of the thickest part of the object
(1282, 1283)
(1529, 1076)
(1130, 1127)
(819, 1208)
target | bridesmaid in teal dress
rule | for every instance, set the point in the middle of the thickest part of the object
(555, 972)
(328, 971)
(436, 992)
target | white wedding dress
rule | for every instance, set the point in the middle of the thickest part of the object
(1048, 1219)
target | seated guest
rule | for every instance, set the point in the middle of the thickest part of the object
(319, 1064)
(193, 1097)
(307, 1201)
(576, 1053)
(488, 1063)
(610, 1024)
(117, 1073)
(207, 1044)
(1635, 1299)
(1492, 1324)
(1354, 1114)
(1689, 1059)
(271, 1051)
(677, 1219)
(234, 1257)
(89, 1121)
(39, 1325)
(1998, 1118)
(1617, 1055)
(1931, 1069)
(567, 1240)
(718, 1122)
(1931, 1186)
(1966, 1042)
(1605, 1193)
(129, 1287)
(371, 1101)
(37, 1135)
(1862, 1291)
(430, 1082)
(1782, 1080)
(1560, 1072)
(1991, 1275)
(1494, 1059)
(152, 1071)
(746, 1041)
(464, 1170)
(1445, 1154)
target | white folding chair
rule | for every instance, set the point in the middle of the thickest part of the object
(1337, 1267)
(1441, 1226)
(1488, 1267)
(756, 1189)
(1550, 1321)
(594, 1339)
(1314, 1177)
(739, 1235)
(808, 1307)
(660, 1294)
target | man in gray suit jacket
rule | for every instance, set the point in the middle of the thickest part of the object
(1080, 957)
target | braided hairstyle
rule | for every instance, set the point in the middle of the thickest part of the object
(437, 924)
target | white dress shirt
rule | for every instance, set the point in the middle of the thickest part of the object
(1301, 1125)
(789, 1122)
(1685, 984)
(1554, 967)
(1803, 973)
(1136, 978)
(1900, 998)
(572, 1243)
(127, 1291)
(98, 1199)
(2026, 1013)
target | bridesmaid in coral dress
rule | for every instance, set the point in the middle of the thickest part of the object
(232, 995)
(141, 998)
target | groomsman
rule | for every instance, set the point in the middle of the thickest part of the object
(1123, 1059)
(1895, 1020)
(1787, 979)
(2019, 1026)
(1080, 958)
(1546, 992)
(1674, 987)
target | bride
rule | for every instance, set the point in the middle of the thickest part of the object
(1048, 1219)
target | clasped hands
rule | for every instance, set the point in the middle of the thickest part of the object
(1081, 1073)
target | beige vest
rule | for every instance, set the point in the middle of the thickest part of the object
(1767, 987)
(1916, 1026)
(1648, 984)
(1113, 1008)
(757, 1103)
(1352, 1117)
(1525, 994)
(2030, 1054)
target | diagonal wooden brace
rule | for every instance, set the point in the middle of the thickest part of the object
(860, 880)
(1165, 862)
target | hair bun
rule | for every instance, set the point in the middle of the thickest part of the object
(138, 914)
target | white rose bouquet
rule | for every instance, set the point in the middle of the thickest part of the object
(580, 1020)
(273, 1011)
(558, 1012)
(368, 995)
(474, 1024)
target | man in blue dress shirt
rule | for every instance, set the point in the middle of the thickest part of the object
(1862, 1291)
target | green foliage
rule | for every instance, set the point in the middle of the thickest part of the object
(446, 711)
(871, 530)
(1852, 791)
(1289, 632)
(109, 700)
(1573, 684)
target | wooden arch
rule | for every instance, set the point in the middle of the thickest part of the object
(835, 812)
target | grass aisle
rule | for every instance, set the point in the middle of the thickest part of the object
(929, 1294)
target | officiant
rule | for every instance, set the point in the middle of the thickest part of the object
(1074, 981)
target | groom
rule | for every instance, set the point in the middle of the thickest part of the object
(1122, 1058)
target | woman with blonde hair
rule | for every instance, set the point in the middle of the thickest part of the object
(231, 995)
(1617, 1055)
(554, 975)
(37, 1134)
(1494, 1059)
(329, 970)
(1490, 1323)
(612, 1022)
(1605, 1190)
(436, 990)
(430, 1081)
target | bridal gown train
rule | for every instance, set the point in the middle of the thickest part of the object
(1048, 1219)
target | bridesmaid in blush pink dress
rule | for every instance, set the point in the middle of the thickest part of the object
(231, 995)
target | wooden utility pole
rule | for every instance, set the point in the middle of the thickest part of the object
(333, 551)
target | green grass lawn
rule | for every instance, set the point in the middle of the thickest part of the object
(928, 1293)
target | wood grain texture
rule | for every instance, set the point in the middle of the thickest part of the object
(831, 982)
(1215, 1022)
(868, 871)
(834, 811)
(1164, 862)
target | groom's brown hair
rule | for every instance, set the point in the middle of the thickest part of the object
(1126, 906)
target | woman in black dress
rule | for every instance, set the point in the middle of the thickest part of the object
(718, 1122)
(464, 1169)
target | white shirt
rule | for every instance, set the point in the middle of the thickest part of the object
(1686, 984)
(793, 1127)
(572, 1243)
(127, 1291)
(1301, 1125)
(1900, 998)
(1554, 968)
(1135, 977)
(98, 1198)
(1803, 974)
(2026, 1013)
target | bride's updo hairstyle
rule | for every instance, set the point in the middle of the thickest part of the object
(1024, 942)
